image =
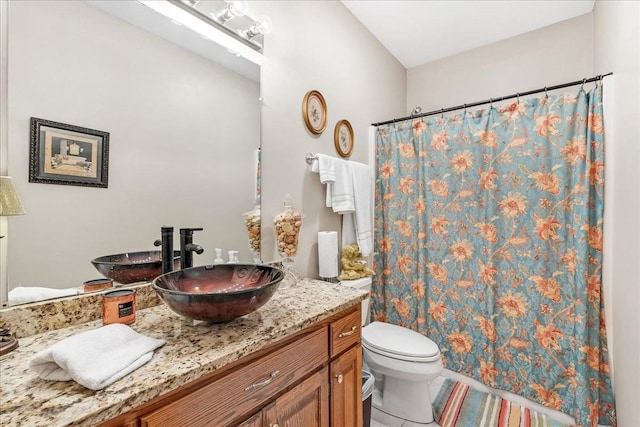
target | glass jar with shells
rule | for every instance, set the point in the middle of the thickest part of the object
(287, 226)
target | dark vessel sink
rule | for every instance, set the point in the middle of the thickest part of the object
(218, 293)
(133, 267)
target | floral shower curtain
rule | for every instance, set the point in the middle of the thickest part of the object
(489, 241)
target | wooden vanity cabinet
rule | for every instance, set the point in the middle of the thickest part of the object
(306, 405)
(312, 379)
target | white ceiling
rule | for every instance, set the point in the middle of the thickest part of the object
(421, 31)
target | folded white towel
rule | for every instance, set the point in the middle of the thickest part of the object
(96, 358)
(325, 166)
(358, 226)
(24, 294)
(342, 196)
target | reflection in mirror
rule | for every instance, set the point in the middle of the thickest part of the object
(184, 137)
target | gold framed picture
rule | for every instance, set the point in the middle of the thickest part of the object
(314, 112)
(343, 138)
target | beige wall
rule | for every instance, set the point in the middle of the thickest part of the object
(552, 55)
(617, 49)
(317, 45)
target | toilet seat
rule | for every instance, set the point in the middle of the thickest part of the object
(398, 342)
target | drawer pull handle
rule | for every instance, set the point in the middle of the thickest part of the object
(340, 378)
(346, 334)
(274, 425)
(262, 383)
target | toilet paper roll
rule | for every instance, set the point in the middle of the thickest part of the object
(328, 254)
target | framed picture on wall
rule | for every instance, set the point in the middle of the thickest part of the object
(314, 112)
(343, 138)
(68, 155)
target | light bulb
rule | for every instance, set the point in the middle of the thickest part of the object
(234, 8)
(263, 25)
(266, 25)
(238, 7)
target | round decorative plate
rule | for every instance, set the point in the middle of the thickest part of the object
(314, 111)
(343, 138)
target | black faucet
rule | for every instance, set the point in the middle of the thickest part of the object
(167, 248)
(187, 247)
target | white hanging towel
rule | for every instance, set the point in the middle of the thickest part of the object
(325, 166)
(349, 194)
(96, 358)
(357, 227)
(342, 191)
(336, 174)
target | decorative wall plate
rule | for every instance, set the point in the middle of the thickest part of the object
(343, 138)
(314, 111)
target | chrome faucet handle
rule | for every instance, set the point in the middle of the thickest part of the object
(157, 243)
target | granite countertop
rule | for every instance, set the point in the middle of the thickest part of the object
(193, 349)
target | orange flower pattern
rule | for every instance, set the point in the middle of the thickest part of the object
(488, 239)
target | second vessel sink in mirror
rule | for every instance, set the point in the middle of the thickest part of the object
(132, 267)
(218, 293)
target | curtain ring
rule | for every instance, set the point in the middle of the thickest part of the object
(546, 95)
(518, 96)
(442, 113)
(490, 103)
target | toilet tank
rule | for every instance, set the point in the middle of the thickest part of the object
(364, 284)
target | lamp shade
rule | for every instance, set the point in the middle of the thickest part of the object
(9, 200)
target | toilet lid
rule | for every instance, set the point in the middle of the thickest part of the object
(399, 342)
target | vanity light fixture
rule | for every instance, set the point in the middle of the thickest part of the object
(261, 26)
(234, 8)
(186, 13)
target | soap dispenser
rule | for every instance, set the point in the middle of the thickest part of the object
(233, 257)
(218, 259)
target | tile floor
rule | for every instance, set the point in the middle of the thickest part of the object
(378, 419)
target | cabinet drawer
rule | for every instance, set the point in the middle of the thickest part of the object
(246, 388)
(345, 332)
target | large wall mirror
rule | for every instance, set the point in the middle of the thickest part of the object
(183, 150)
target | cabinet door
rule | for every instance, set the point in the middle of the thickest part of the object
(306, 405)
(346, 389)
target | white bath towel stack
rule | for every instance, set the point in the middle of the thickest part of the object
(335, 174)
(96, 358)
(349, 194)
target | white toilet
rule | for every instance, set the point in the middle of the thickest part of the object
(403, 363)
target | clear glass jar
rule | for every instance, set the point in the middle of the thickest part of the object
(252, 222)
(287, 227)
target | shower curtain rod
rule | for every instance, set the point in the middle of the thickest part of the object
(492, 100)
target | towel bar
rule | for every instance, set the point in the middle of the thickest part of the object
(310, 158)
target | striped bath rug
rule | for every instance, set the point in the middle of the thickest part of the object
(458, 405)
